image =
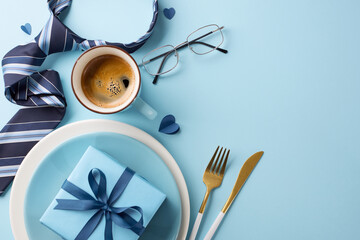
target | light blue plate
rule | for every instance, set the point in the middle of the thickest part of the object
(56, 167)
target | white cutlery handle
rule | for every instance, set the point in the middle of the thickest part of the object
(214, 226)
(196, 226)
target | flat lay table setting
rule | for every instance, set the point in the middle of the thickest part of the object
(165, 119)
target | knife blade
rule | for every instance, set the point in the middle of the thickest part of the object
(244, 173)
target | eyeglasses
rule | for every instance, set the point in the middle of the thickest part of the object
(164, 59)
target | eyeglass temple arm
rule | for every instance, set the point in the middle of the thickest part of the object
(163, 61)
(182, 45)
(210, 46)
(161, 65)
(206, 34)
(167, 54)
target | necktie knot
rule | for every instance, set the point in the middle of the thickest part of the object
(56, 37)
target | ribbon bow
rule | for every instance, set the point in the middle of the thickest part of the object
(104, 205)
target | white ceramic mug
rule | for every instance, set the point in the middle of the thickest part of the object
(133, 100)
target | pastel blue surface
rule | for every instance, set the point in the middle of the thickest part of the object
(139, 192)
(62, 161)
(288, 86)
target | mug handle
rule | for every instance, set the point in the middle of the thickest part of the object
(144, 108)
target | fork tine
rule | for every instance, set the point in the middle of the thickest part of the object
(219, 165)
(217, 159)
(212, 160)
(224, 165)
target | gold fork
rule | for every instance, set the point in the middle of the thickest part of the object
(212, 178)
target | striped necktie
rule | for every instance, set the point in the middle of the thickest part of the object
(41, 91)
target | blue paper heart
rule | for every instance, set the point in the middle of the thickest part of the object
(26, 28)
(168, 125)
(169, 13)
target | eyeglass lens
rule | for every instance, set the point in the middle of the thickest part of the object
(202, 45)
(167, 61)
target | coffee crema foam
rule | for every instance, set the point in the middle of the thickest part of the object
(108, 81)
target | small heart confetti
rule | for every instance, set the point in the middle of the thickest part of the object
(26, 28)
(169, 13)
(168, 125)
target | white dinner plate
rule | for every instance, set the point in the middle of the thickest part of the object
(63, 134)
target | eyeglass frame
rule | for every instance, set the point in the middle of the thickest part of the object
(182, 45)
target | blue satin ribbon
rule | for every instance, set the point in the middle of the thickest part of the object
(103, 204)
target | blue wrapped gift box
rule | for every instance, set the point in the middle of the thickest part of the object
(139, 192)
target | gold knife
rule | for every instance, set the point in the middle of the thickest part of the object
(245, 172)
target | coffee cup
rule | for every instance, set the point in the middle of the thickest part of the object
(106, 79)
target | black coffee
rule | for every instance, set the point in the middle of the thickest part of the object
(108, 81)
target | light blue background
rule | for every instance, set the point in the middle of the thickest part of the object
(289, 86)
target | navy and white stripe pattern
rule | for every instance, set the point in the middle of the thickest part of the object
(41, 91)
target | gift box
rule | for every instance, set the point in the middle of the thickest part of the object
(102, 198)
